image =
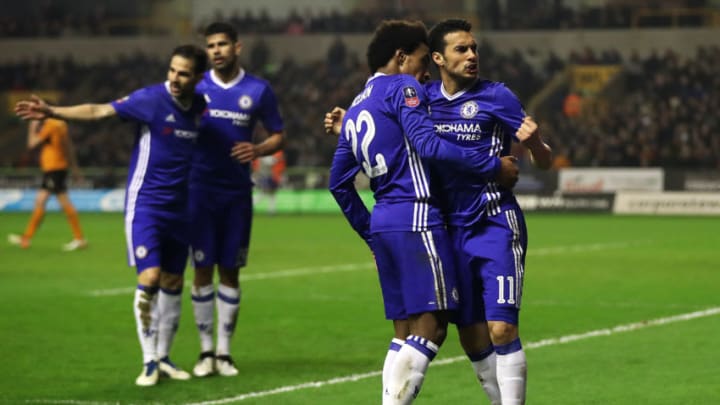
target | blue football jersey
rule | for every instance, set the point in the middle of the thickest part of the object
(164, 144)
(483, 118)
(233, 110)
(388, 135)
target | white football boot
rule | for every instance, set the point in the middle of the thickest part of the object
(205, 365)
(169, 369)
(75, 244)
(225, 366)
(149, 376)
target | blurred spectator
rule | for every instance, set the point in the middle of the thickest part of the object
(664, 116)
(572, 105)
(54, 18)
(259, 56)
(336, 56)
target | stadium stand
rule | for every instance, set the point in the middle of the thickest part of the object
(657, 111)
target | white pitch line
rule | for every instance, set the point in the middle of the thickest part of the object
(304, 271)
(582, 248)
(629, 327)
(68, 402)
(532, 345)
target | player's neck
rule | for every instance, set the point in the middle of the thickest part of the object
(388, 71)
(390, 68)
(453, 86)
(227, 75)
(185, 101)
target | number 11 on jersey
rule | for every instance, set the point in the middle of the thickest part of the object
(502, 282)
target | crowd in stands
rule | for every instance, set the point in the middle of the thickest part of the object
(559, 15)
(52, 19)
(664, 115)
(516, 15)
(309, 21)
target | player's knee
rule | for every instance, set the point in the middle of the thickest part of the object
(440, 335)
(69, 209)
(170, 281)
(203, 276)
(430, 325)
(149, 277)
(502, 332)
(474, 338)
(229, 276)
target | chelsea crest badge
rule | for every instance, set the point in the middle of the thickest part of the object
(245, 102)
(469, 109)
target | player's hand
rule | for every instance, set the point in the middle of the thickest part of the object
(244, 152)
(33, 109)
(509, 172)
(333, 121)
(527, 129)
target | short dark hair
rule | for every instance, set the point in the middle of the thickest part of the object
(194, 53)
(436, 37)
(222, 28)
(392, 35)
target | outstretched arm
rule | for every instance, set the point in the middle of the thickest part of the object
(529, 136)
(38, 109)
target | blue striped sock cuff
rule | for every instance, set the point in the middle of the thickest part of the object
(396, 344)
(512, 347)
(424, 346)
(229, 294)
(203, 298)
(203, 294)
(229, 300)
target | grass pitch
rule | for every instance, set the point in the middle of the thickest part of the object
(617, 310)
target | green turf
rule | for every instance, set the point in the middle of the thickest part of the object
(317, 320)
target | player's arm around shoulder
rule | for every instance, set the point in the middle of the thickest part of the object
(529, 136)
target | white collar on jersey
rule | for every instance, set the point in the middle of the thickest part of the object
(175, 100)
(377, 74)
(229, 84)
(451, 96)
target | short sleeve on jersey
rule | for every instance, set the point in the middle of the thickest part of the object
(269, 111)
(510, 112)
(407, 92)
(138, 106)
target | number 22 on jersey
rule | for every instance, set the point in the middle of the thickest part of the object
(353, 129)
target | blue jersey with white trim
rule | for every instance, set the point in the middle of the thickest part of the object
(388, 135)
(164, 144)
(483, 118)
(234, 108)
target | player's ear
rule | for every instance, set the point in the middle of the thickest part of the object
(401, 57)
(438, 59)
(238, 48)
